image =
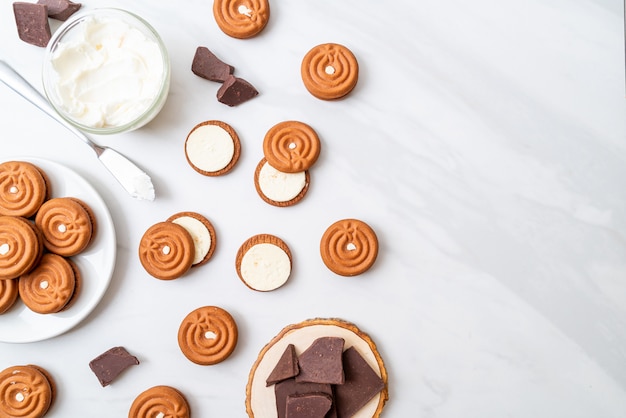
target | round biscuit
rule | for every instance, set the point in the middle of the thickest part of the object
(166, 251)
(241, 19)
(23, 188)
(349, 247)
(329, 71)
(160, 401)
(208, 335)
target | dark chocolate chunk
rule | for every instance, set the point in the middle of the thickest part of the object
(361, 384)
(60, 9)
(286, 367)
(310, 405)
(321, 362)
(235, 91)
(206, 65)
(32, 24)
(108, 365)
(290, 387)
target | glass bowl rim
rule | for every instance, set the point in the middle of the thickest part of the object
(142, 25)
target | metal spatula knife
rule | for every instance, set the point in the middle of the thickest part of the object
(134, 180)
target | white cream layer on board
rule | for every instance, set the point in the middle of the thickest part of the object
(109, 73)
(262, 397)
(200, 235)
(279, 186)
(210, 148)
(265, 267)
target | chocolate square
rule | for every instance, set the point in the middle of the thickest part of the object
(290, 387)
(60, 9)
(286, 367)
(235, 91)
(108, 365)
(206, 65)
(322, 362)
(310, 405)
(32, 23)
(361, 384)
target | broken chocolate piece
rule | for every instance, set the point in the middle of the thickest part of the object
(290, 387)
(108, 365)
(321, 362)
(235, 91)
(32, 24)
(361, 384)
(60, 9)
(286, 367)
(206, 65)
(310, 405)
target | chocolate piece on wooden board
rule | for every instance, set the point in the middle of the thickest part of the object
(235, 91)
(310, 405)
(108, 365)
(286, 367)
(290, 387)
(206, 65)
(60, 9)
(361, 384)
(322, 362)
(32, 24)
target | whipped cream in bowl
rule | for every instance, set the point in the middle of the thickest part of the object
(106, 71)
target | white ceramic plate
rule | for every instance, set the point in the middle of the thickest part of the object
(96, 263)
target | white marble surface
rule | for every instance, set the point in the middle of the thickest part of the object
(486, 145)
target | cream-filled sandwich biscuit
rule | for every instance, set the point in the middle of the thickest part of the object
(264, 262)
(212, 148)
(279, 188)
(202, 232)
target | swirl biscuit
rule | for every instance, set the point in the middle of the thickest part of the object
(329, 71)
(202, 232)
(160, 401)
(241, 19)
(263, 262)
(66, 224)
(50, 286)
(20, 246)
(207, 335)
(23, 188)
(8, 294)
(291, 146)
(349, 247)
(166, 251)
(25, 391)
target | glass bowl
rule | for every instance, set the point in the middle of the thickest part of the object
(106, 71)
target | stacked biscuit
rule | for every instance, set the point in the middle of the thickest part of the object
(168, 249)
(26, 391)
(38, 235)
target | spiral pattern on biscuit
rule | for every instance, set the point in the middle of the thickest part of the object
(22, 189)
(24, 392)
(8, 294)
(158, 400)
(243, 18)
(349, 247)
(49, 287)
(20, 246)
(66, 226)
(291, 146)
(166, 250)
(329, 71)
(208, 335)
